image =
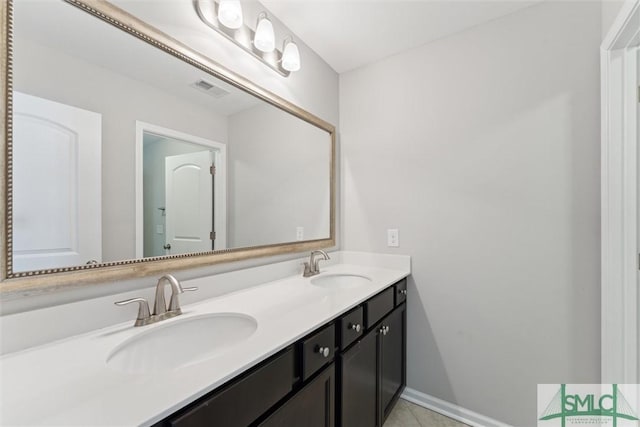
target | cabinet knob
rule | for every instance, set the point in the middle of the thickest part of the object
(355, 326)
(324, 351)
(402, 291)
(384, 330)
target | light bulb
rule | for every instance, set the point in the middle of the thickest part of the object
(264, 39)
(230, 14)
(291, 57)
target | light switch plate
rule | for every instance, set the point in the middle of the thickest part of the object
(393, 238)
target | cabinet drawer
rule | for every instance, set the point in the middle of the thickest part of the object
(377, 307)
(224, 408)
(401, 291)
(351, 327)
(317, 351)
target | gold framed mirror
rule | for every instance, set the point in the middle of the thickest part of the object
(265, 181)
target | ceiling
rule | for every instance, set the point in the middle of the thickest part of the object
(348, 34)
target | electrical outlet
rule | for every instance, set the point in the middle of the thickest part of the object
(393, 239)
(299, 233)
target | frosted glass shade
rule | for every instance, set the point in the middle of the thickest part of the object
(230, 13)
(264, 39)
(291, 57)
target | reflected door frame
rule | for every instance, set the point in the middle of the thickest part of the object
(620, 299)
(220, 182)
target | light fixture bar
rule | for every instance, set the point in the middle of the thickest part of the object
(243, 37)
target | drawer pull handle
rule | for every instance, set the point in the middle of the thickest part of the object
(355, 326)
(323, 351)
(403, 291)
(384, 330)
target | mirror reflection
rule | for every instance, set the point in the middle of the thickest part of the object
(123, 151)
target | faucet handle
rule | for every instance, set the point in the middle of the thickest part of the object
(143, 310)
(174, 304)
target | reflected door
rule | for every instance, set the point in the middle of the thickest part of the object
(56, 187)
(189, 203)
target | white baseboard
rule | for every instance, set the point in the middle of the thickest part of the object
(450, 410)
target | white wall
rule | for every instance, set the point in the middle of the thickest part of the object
(610, 9)
(314, 88)
(284, 180)
(483, 149)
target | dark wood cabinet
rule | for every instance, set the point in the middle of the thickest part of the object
(372, 372)
(392, 354)
(313, 406)
(358, 371)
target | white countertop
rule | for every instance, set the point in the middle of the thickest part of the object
(68, 382)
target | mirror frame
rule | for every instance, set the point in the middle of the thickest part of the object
(31, 282)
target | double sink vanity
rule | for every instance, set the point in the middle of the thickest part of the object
(287, 343)
(323, 350)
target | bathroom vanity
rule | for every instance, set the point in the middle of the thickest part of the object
(328, 350)
(348, 372)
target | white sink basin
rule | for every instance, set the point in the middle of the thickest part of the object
(341, 281)
(181, 343)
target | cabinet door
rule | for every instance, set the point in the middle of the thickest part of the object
(313, 406)
(392, 358)
(358, 373)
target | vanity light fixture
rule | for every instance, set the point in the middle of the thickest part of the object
(265, 39)
(230, 13)
(290, 55)
(226, 18)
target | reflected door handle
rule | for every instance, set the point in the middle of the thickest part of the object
(167, 246)
(92, 262)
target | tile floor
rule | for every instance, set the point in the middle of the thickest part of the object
(406, 414)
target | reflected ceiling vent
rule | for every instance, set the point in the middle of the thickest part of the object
(209, 88)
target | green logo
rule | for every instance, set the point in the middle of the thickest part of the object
(564, 405)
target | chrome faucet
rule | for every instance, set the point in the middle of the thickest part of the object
(311, 268)
(160, 311)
